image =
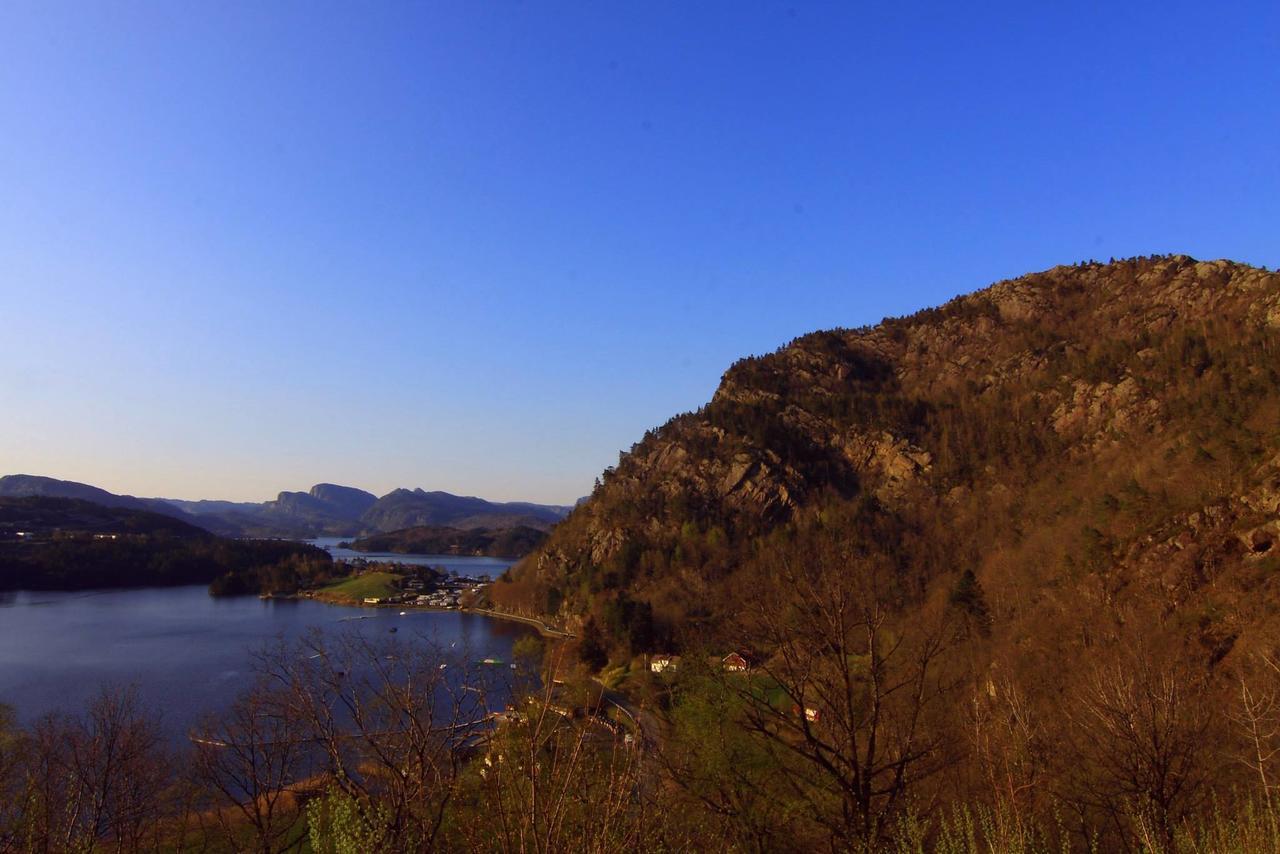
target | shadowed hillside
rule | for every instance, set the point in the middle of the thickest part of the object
(70, 544)
(426, 540)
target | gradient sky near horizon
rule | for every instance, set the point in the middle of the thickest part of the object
(481, 247)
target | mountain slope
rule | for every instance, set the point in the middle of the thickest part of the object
(28, 486)
(326, 508)
(43, 516)
(404, 508)
(1109, 432)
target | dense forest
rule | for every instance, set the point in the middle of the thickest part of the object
(436, 540)
(69, 544)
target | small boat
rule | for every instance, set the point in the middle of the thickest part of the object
(404, 613)
(393, 630)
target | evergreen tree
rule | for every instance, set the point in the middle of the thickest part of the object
(591, 648)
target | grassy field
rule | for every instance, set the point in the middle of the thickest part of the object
(358, 588)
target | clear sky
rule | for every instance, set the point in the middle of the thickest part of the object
(481, 247)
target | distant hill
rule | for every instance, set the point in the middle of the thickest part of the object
(72, 544)
(404, 508)
(44, 516)
(512, 542)
(327, 509)
(28, 485)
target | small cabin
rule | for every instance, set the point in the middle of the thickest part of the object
(735, 662)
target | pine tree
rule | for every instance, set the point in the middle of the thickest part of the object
(591, 648)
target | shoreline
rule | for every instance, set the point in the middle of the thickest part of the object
(543, 629)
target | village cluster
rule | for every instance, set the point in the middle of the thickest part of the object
(446, 592)
(734, 662)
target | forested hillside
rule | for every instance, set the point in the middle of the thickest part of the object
(69, 544)
(1087, 441)
(512, 542)
(1014, 560)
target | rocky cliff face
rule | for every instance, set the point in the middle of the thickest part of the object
(345, 501)
(1113, 424)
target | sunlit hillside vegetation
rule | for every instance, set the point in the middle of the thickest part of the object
(1050, 510)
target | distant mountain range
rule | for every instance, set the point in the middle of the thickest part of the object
(326, 509)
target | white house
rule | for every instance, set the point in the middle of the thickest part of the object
(663, 663)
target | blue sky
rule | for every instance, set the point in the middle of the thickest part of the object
(481, 247)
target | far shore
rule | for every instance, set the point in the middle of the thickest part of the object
(543, 629)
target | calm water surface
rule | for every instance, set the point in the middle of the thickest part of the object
(459, 565)
(188, 652)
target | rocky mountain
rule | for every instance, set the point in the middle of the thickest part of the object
(1091, 442)
(326, 509)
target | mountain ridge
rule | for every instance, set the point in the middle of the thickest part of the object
(1080, 420)
(325, 509)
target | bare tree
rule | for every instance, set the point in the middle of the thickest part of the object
(95, 782)
(558, 777)
(391, 723)
(15, 794)
(1008, 746)
(721, 772)
(849, 701)
(252, 757)
(1256, 719)
(1141, 756)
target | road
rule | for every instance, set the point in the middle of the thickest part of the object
(647, 728)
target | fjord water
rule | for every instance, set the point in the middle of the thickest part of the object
(458, 564)
(187, 652)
